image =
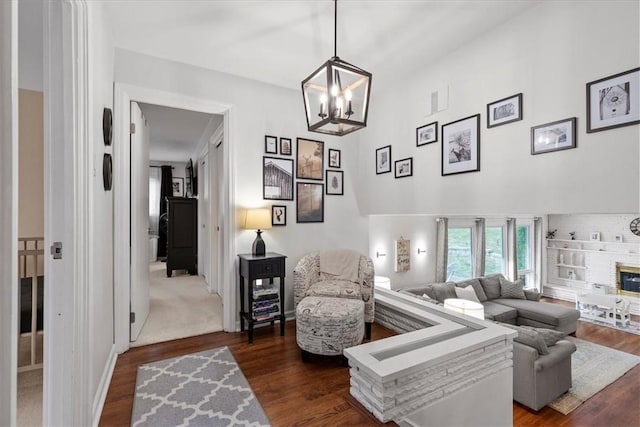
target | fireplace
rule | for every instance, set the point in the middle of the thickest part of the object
(628, 279)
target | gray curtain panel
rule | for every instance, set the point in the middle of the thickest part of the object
(512, 255)
(478, 248)
(442, 248)
(537, 252)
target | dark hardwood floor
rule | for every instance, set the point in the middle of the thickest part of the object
(316, 393)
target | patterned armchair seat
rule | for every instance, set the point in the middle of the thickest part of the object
(310, 281)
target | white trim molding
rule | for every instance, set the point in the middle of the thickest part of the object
(103, 387)
(8, 209)
(123, 95)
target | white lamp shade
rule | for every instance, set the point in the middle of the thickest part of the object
(258, 219)
(463, 306)
(382, 282)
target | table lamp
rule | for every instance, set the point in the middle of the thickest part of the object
(258, 219)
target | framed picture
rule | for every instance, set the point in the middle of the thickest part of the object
(383, 160)
(594, 236)
(277, 178)
(334, 158)
(461, 146)
(278, 215)
(404, 167)
(310, 202)
(555, 136)
(504, 111)
(619, 238)
(613, 101)
(310, 159)
(403, 260)
(178, 187)
(335, 183)
(427, 134)
(270, 144)
(285, 146)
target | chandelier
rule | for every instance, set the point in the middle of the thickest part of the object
(336, 95)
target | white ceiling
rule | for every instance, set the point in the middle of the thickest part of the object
(175, 133)
(282, 42)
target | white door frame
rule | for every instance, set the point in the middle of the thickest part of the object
(123, 95)
(8, 209)
(68, 208)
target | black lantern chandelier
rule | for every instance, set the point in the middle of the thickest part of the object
(336, 95)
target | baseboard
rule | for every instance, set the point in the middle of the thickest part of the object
(103, 387)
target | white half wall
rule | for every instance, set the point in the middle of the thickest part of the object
(549, 53)
(261, 109)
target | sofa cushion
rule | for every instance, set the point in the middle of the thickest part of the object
(335, 288)
(529, 337)
(499, 312)
(532, 295)
(491, 285)
(466, 293)
(542, 312)
(509, 289)
(445, 290)
(477, 288)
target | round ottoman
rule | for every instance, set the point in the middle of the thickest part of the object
(327, 325)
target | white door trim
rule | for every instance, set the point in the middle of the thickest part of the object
(8, 209)
(68, 214)
(123, 95)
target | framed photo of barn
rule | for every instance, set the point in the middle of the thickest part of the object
(277, 178)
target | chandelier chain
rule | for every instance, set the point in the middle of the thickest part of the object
(335, 28)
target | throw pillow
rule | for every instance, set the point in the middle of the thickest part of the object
(427, 298)
(444, 291)
(510, 289)
(491, 285)
(532, 295)
(550, 336)
(467, 293)
(529, 337)
(477, 287)
(428, 290)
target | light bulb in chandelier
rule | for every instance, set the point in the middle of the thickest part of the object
(323, 103)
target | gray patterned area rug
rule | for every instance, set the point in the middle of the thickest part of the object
(199, 389)
(593, 367)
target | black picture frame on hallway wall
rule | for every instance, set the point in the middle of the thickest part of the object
(309, 202)
(335, 183)
(278, 215)
(270, 144)
(383, 160)
(403, 167)
(554, 136)
(461, 146)
(285, 146)
(505, 110)
(613, 101)
(334, 158)
(309, 159)
(277, 178)
(427, 134)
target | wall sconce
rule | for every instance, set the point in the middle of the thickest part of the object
(422, 251)
(380, 254)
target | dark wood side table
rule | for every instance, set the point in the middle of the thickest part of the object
(265, 302)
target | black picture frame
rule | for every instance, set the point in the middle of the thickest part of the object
(334, 158)
(107, 126)
(403, 168)
(383, 160)
(554, 136)
(285, 146)
(107, 172)
(504, 111)
(177, 186)
(613, 101)
(335, 183)
(461, 146)
(277, 178)
(278, 215)
(309, 202)
(270, 144)
(309, 159)
(427, 134)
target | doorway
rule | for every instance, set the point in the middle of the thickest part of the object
(124, 95)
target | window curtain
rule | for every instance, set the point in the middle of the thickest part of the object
(442, 248)
(155, 177)
(512, 250)
(478, 248)
(166, 190)
(537, 253)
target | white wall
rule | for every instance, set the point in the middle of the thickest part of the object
(608, 225)
(30, 50)
(101, 286)
(261, 109)
(548, 53)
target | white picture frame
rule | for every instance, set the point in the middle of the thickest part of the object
(594, 236)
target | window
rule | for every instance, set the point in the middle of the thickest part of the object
(525, 253)
(459, 261)
(494, 250)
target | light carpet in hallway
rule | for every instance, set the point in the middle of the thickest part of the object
(179, 307)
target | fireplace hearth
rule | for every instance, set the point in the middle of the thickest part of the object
(628, 279)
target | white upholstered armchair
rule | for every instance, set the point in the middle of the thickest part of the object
(309, 280)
